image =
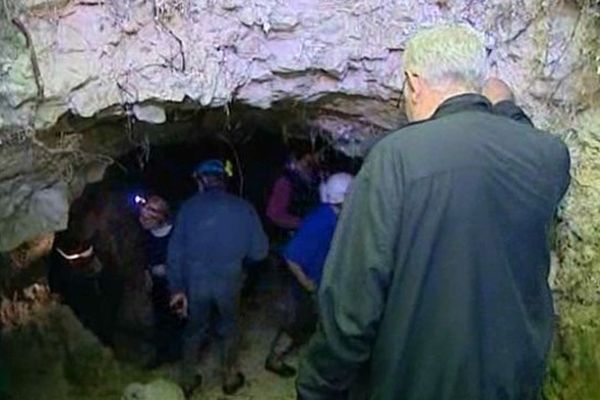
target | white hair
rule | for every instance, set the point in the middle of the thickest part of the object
(448, 55)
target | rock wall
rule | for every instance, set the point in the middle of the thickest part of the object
(342, 58)
(52, 356)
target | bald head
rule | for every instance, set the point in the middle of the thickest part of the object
(496, 90)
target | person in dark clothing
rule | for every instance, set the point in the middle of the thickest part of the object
(436, 283)
(295, 192)
(305, 256)
(213, 233)
(92, 292)
(155, 218)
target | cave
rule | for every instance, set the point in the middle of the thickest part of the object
(158, 159)
(103, 101)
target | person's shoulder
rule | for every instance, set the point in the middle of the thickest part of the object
(238, 202)
(323, 210)
(403, 136)
(321, 214)
(389, 149)
(190, 203)
(555, 147)
(527, 136)
(282, 181)
(510, 109)
(234, 198)
(284, 177)
(315, 213)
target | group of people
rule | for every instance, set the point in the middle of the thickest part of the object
(196, 263)
(433, 285)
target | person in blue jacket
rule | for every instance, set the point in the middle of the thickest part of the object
(213, 233)
(305, 256)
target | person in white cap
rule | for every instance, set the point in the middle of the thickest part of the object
(305, 256)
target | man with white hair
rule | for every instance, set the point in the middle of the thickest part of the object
(436, 283)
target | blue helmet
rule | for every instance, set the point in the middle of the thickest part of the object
(210, 167)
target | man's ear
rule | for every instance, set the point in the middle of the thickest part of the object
(415, 87)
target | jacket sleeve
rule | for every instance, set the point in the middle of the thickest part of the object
(259, 243)
(509, 109)
(355, 282)
(175, 254)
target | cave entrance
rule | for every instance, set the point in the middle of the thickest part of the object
(153, 152)
(159, 160)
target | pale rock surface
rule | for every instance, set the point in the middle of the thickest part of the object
(339, 59)
(156, 390)
(92, 55)
(150, 113)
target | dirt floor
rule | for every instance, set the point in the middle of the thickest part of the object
(49, 355)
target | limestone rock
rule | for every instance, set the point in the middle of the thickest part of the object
(262, 52)
(150, 113)
(341, 59)
(41, 209)
(32, 4)
(50, 355)
(156, 390)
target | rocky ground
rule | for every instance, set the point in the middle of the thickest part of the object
(48, 355)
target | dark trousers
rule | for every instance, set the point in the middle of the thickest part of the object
(168, 327)
(298, 320)
(94, 298)
(212, 310)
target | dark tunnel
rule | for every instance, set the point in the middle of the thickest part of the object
(108, 292)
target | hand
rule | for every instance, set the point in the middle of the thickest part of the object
(179, 304)
(159, 270)
(148, 284)
(496, 90)
(309, 286)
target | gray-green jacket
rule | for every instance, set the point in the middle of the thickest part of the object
(436, 284)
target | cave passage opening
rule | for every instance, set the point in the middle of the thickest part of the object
(157, 159)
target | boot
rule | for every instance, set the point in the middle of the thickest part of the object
(278, 367)
(233, 383)
(279, 349)
(189, 387)
(187, 377)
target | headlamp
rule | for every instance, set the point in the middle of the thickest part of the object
(228, 168)
(72, 257)
(139, 200)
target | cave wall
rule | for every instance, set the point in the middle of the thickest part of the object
(341, 58)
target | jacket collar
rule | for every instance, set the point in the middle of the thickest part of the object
(463, 102)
